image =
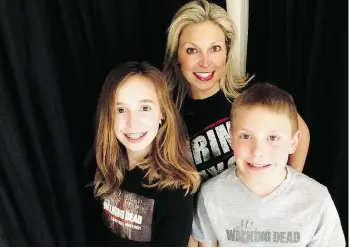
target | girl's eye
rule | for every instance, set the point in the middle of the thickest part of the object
(245, 136)
(145, 108)
(273, 138)
(191, 50)
(216, 48)
(121, 110)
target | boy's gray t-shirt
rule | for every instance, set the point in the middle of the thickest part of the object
(300, 212)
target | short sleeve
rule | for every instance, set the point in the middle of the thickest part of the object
(202, 229)
(329, 231)
(175, 226)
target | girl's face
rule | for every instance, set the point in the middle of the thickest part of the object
(137, 114)
(202, 54)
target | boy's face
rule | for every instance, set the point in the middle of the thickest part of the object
(262, 141)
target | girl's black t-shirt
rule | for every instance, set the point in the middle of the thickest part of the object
(136, 215)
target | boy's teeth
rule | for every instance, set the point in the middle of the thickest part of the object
(258, 165)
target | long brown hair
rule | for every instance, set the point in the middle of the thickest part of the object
(167, 164)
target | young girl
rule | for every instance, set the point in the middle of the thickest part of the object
(144, 176)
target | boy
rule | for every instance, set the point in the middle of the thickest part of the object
(261, 201)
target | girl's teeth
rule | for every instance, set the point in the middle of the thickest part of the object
(135, 136)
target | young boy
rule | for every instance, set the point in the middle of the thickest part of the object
(261, 201)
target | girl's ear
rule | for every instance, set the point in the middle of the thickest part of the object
(294, 142)
(162, 118)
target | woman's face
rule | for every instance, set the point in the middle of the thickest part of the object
(202, 55)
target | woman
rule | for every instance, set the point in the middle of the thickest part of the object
(199, 68)
(144, 178)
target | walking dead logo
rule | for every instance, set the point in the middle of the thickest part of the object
(129, 215)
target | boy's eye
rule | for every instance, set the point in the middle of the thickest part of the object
(273, 138)
(216, 48)
(121, 110)
(145, 108)
(245, 136)
(191, 50)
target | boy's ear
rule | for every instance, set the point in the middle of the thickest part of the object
(294, 142)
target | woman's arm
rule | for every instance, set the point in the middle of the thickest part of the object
(175, 225)
(297, 159)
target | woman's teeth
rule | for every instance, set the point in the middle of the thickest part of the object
(203, 74)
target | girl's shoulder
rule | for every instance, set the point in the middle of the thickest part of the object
(175, 194)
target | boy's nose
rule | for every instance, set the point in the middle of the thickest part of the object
(258, 149)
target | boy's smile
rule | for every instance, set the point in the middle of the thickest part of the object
(257, 167)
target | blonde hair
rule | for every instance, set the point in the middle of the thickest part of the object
(167, 165)
(267, 96)
(191, 13)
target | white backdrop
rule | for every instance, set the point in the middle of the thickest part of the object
(238, 11)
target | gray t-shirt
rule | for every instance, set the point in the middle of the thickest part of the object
(300, 212)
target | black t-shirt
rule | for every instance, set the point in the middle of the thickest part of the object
(139, 216)
(207, 121)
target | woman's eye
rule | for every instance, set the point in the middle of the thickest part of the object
(121, 110)
(145, 108)
(191, 50)
(273, 138)
(216, 48)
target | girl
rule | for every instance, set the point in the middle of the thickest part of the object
(144, 176)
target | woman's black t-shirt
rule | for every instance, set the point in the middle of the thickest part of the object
(207, 121)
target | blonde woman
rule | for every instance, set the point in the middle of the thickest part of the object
(199, 68)
(144, 176)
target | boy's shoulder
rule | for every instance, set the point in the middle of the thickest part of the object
(308, 185)
(221, 181)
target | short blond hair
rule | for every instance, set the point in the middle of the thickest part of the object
(197, 12)
(267, 96)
